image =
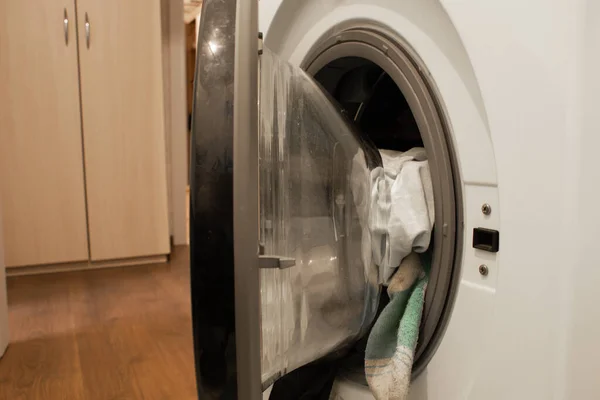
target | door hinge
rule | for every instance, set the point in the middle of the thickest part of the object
(260, 43)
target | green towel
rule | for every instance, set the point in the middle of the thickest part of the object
(393, 339)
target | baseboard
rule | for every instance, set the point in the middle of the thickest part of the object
(79, 266)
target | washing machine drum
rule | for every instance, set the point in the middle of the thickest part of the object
(281, 263)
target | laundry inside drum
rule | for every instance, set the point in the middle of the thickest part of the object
(371, 97)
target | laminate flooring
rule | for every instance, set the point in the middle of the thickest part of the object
(111, 334)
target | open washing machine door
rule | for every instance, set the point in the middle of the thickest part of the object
(281, 266)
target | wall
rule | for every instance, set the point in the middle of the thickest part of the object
(3, 303)
(176, 115)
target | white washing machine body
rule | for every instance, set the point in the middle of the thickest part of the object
(517, 84)
(512, 77)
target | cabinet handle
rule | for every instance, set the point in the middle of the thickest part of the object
(87, 30)
(66, 26)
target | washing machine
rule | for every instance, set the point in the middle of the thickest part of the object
(494, 91)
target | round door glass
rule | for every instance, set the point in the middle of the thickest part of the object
(314, 204)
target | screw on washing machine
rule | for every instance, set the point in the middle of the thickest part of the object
(483, 270)
(486, 209)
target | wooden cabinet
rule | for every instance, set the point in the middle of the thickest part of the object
(82, 144)
(123, 126)
(41, 170)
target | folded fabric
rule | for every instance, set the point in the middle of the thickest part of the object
(392, 342)
(402, 209)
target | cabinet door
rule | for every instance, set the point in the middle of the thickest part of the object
(41, 169)
(123, 127)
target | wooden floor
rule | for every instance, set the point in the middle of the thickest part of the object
(113, 334)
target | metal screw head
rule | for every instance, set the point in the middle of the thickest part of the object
(483, 270)
(486, 209)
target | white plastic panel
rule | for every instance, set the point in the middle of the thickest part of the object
(583, 353)
(525, 76)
